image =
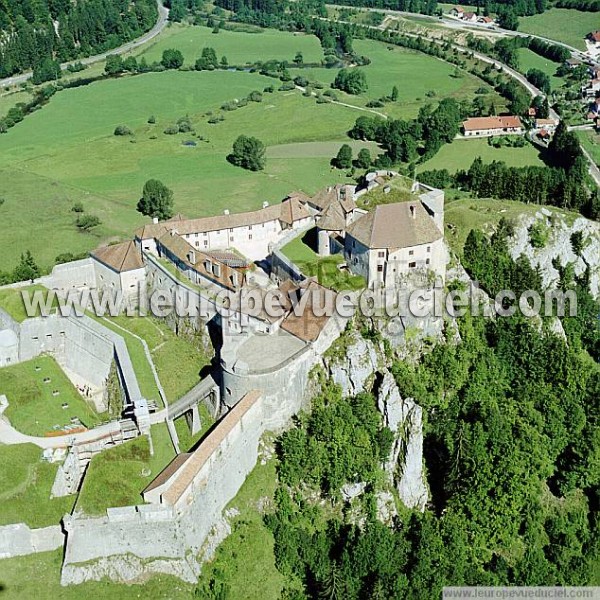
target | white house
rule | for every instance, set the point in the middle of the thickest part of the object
(548, 125)
(457, 11)
(119, 267)
(488, 126)
(393, 241)
(469, 17)
(250, 233)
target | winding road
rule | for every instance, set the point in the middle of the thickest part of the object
(163, 16)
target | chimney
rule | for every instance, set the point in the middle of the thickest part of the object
(413, 212)
(226, 211)
(265, 204)
(155, 220)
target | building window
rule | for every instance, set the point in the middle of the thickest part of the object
(412, 265)
(380, 268)
(428, 248)
(427, 261)
(231, 238)
(381, 254)
(249, 227)
(206, 243)
(198, 243)
(249, 236)
(411, 252)
(231, 230)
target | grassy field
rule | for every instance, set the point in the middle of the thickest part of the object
(240, 48)
(530, 60)
(33, 408)
(562, 24)
(118, 475)
(38, 576)
(461, 153)
(25, 486)
(591, 142)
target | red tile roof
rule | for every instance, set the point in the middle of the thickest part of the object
(503, 122)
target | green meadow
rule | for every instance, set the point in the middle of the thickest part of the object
(240, 47)
(461, 153)
(530, 60)
(565, 25)
(67, 153)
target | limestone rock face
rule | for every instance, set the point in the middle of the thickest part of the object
(558, 245)
(354, 371)
(405, 465)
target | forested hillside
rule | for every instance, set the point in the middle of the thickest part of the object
(33, 32)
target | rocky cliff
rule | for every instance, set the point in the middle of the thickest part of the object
(359, 365)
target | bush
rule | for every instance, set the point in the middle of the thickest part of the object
(255, 96)
(87, 222)
(171, 130)
(152, 120)
(77, 207)
(122, 130)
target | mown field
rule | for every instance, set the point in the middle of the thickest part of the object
(530, 60)
(67, 153)
(461, 153)
(565, 25)
(239, 47)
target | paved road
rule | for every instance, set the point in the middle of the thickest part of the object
(163, 14)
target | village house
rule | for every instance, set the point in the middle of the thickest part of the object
(485, 20)
(457, 11)
(593, 38)
(590, 89)
(572, 63)
(470, 17)
(119, 267)
(549, 125)
(488, 126)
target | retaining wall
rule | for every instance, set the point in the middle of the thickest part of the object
(20, 540)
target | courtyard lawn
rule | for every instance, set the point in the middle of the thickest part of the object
(461, 153)
(240, 48)
(25, 486)
(179, 360)
(590, 140)
(117, 476)
(38, 576)
(565, 25)
(33, 408)
(11, 300)
(530, 60)
(300, 251)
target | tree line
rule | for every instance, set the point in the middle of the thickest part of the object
(59, 31)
